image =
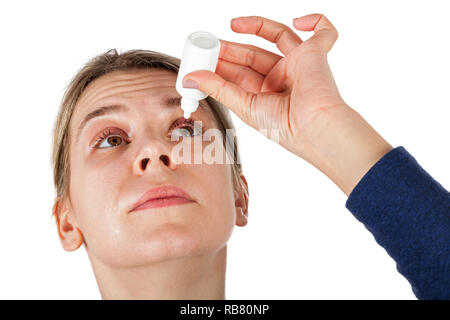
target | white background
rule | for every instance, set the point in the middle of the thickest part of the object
(390, 63)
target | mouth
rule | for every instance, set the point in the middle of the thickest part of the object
(162, 197)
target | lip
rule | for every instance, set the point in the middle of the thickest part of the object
(162, 197)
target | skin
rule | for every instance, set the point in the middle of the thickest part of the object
(173, 252)
(296, 93)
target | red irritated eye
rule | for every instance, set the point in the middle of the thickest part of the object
(185, 127)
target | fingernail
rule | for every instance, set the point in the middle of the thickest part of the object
(189, 83)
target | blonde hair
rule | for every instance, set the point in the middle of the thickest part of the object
(105, 63)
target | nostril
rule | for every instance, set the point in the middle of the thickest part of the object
(144, 163)
(165, 159)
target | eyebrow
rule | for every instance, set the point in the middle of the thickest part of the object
(171, 101)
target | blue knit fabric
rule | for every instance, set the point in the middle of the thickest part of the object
(408, 213)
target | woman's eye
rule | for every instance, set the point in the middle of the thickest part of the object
(186, 130)
(109, 138)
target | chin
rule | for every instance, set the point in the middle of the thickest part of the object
(170, 241)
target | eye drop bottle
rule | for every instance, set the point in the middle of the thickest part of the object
(201, 52)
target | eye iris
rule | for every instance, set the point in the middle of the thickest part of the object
(115, 140)
(190, 129)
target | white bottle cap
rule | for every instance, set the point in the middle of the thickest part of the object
(201, 52)
(188, 105)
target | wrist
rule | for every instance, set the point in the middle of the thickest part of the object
(343, 146)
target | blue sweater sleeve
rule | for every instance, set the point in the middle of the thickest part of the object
(408, 213)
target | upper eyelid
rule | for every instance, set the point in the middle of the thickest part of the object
(112, 128)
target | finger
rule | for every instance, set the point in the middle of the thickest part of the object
(231, 95)
(325, 34)
(240, 75)
(285, 38)
(260, 60)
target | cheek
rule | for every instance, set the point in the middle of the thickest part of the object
(212, 179)
(94, 190)
(218, 196)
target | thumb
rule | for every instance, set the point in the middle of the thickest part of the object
(228, 93)
(325, 34)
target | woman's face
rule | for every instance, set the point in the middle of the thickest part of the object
(108, 176)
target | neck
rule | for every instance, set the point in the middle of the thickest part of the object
(187, 278)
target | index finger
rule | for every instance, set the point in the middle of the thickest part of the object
(276, 32)
(253, 57)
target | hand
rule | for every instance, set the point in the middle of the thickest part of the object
(296, 94)
(269, 91)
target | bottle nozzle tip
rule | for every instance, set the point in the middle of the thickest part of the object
(188, 105)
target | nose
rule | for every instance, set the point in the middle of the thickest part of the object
(155, 156)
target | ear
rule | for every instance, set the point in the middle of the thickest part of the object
(241, 201)
(68, 232)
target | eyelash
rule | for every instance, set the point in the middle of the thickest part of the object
(115, 132)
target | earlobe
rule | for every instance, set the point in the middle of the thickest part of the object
(241, 217)
(69, 234)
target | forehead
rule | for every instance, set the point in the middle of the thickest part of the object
(140, 81)
(132, 86)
